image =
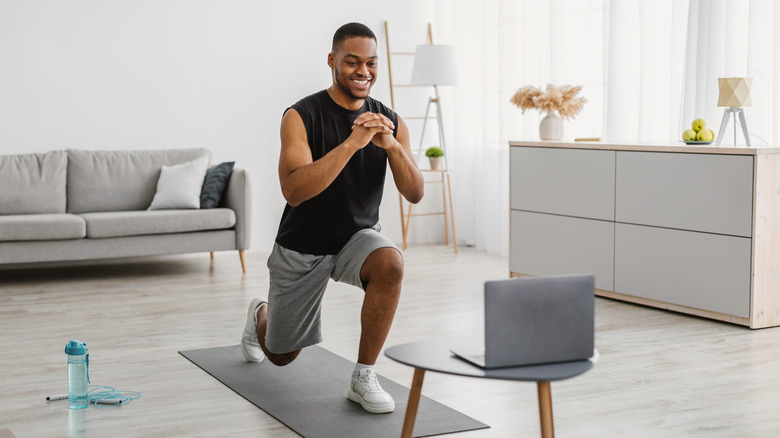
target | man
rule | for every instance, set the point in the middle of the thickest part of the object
(335, 148)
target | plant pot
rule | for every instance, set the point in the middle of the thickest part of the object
(551, 128)
(437, 163)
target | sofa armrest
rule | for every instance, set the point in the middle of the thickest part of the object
(239, 199)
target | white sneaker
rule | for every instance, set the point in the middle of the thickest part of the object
(365, 390)
(250, 346)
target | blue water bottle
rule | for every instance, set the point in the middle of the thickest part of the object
(78, 374)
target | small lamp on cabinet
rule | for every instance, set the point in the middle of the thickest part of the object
(734, 94)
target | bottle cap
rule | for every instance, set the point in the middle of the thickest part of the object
(76, 348)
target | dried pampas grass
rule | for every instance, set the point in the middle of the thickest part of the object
(524, 97)
(564, 99)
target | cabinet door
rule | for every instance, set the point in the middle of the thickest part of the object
(698, 192)
(699, 270)
(544, 244)
(572, 182)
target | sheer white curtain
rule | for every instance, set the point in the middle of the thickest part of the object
(501, 46)
(647, 67)
(731, 38)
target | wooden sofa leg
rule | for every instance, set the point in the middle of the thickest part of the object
(212, 255)
(243, 260)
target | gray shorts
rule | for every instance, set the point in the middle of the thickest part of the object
(298, 283)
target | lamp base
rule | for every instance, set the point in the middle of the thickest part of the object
(735, 111)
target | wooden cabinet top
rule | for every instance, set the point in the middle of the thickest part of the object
(653, 147)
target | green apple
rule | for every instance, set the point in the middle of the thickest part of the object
(705, 135)
(713, 133)
(698, 125)
(689, 135)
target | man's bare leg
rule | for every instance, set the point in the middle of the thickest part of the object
(383, 272)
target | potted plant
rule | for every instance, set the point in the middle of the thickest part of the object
(435, 155)
(563, 100)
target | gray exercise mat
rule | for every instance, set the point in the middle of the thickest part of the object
(310, 395)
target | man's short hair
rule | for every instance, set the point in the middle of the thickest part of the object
(351, 30)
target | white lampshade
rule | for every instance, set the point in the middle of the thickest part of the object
(434, 64)
(734, 92)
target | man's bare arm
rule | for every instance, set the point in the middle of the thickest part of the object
(301, 177)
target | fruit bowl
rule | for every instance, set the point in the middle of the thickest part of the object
(698, 134)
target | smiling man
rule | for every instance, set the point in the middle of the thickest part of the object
(336, 145)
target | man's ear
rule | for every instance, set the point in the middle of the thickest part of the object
(331, 60)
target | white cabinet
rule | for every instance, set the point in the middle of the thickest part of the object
(545, 244)
(695, 230)
(699, 192)
(569, 182)
(699, 270)
(563, 206)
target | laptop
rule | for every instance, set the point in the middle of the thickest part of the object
(531, 321)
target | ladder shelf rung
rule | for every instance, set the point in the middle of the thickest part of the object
(425, 214)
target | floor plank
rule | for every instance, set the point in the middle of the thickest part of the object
(660, 373)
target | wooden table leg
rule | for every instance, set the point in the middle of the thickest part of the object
(414, 401)
(545, 409)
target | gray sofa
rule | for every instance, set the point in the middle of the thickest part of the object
(82, 205)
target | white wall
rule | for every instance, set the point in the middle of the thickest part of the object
(153, 74)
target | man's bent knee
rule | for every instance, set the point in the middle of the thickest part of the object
(282, 359)
(385, 265)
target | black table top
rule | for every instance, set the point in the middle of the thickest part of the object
(435, 355)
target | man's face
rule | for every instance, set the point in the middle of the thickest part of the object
(354, 65)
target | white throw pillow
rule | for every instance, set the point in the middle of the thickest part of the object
(179, 186)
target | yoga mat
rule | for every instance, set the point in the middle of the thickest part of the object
(310, 395)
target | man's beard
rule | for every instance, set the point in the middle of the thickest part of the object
(345, 87)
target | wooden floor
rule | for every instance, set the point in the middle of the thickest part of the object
(660, 374)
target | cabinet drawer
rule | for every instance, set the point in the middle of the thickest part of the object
(572, 182)
(699, 192)
(543, 244)
(704, 271)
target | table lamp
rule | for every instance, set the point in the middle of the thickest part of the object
(734, 94)
(434, 64)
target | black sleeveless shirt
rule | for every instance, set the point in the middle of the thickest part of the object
(324, 223)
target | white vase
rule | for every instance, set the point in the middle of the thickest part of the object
(551, 127)
(437, 163)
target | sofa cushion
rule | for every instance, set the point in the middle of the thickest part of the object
(33, 183)
(118, 180)
(179, 186)
(138, 223)
(215, 184)
(41, 227)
